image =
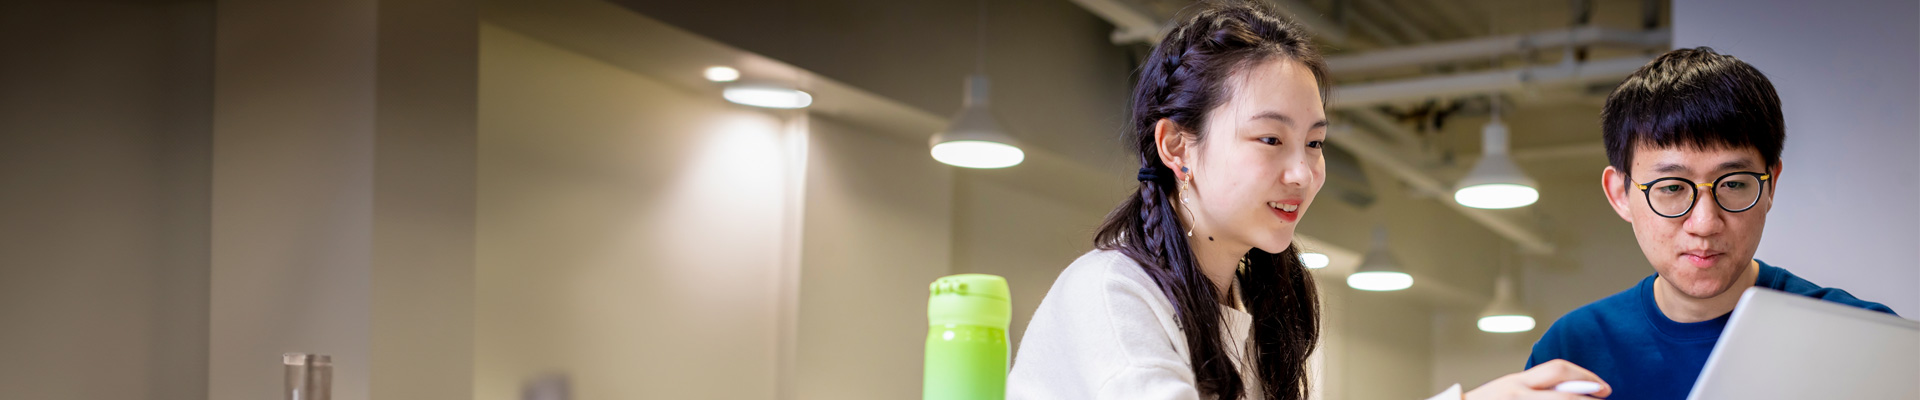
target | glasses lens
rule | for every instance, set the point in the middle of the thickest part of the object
(1737, 192)
(1670, 197)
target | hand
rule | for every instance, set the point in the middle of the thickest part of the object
(1537, 383)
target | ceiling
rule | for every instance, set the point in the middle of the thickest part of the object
(1384, 25)
(1061, 79)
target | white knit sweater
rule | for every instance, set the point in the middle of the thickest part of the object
(1105, 331)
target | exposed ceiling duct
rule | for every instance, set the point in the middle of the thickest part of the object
(1346, 180)
(1488, 47)
(1357, 95)
(1403, 154)
(1373, 151)
(1398, 22)
(1323, 30)
(1130, 25)
(1133, 25)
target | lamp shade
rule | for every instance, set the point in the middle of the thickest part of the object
(1504, 314)
(975, 138)
(1379, 271)
(1495, 181)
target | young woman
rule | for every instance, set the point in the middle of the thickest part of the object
(1195, 290)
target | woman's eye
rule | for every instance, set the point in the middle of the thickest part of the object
(1315, 144)
(1270, 141)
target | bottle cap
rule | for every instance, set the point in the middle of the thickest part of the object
(970, 299)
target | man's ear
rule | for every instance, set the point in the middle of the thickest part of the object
(1619, 192)
(1773, 181)
(1173, 146)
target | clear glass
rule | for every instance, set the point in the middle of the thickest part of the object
(309, 376)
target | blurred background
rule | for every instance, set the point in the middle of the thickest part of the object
(454, 198)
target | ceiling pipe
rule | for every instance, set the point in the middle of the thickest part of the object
(1129, 25)
(1381, 123)
(1313, 21)
(1399, 22)
(1379, 154)
(1484, 48)
(1551, 153)
(1135, 26)
(1560, 152)
(1373, 30)
(1147, 36)
(1359, 95)
(1454, 14)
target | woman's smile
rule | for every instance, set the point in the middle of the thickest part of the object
(1287, 210)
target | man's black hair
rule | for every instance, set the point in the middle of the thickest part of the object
(1695, 98)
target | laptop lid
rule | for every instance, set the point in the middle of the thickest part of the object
(1784, 346)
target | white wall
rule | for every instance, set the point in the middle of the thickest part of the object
(1025, 237)
(424, 199)
(191, 190)
(292, 192)
(878, 228)
(1845, 215)
(629, 232)
(104, 113)
(342, 195)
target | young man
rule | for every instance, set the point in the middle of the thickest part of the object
(1694, 140)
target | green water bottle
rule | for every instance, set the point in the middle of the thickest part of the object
(967, 352)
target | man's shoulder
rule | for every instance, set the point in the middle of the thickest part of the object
(1586, 327)
(1781, 279)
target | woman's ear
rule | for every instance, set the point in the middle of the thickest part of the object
(1172, 146)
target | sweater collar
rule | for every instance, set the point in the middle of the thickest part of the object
(1769, 277)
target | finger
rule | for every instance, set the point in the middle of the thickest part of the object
(1548, 374)
(1550, 395)
(1582, 387)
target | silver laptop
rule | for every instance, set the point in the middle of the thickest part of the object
(1785, 346)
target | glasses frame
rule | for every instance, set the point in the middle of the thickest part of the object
(1646, 192)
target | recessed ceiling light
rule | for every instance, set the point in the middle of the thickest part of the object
(767, 96)
(1380, 281)
(1506, 323)
(1315, 260)
(722, 74)
(978, 154)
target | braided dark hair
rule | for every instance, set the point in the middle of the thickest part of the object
(1184, 77)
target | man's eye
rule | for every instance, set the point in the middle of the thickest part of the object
(1669, 188)
(1270, 141)
(1733, 185)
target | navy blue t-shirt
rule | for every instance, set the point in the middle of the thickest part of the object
(1629, 343)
